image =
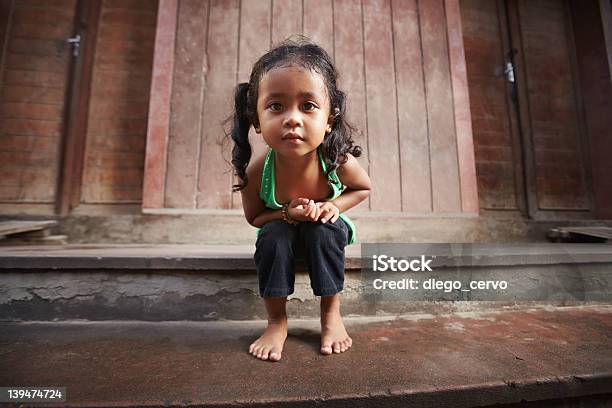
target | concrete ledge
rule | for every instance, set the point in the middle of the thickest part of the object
(225, 227)
(546, 357)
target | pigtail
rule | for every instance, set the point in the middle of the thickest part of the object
(241, 152)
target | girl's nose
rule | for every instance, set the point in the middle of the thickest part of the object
(293, 119)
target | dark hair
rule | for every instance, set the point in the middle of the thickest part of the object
(295, 51)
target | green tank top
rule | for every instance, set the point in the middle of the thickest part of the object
(267, 195)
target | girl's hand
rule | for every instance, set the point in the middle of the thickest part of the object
(329, 212)
(303, 209)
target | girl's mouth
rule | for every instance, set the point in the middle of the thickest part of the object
(293, 138)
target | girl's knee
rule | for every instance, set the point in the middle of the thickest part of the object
(277, 230)
(318, 232)
(276, 234)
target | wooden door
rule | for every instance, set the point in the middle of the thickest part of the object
(73, 121)
(527, 116)
(550, 103)
(34, 68)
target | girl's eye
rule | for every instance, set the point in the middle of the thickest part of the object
(310, 106)
(275, 106)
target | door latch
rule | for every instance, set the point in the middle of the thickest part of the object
(76, 42)
(509, 71)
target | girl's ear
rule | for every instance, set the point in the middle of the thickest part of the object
(256, 125)
(331, 119)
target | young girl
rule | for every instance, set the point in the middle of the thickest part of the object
(297, 193)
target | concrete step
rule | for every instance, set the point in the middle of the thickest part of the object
(542, 357)
(198, 282)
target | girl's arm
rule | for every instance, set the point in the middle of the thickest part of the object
(254, 208)
(266, 216)
(357, 182)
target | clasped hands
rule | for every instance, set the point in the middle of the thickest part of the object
(303, 209)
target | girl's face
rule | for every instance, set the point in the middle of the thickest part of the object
(293, 110)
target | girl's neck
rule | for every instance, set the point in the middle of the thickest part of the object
(296, 165)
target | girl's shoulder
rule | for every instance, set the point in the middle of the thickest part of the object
(350, 162)
(255, 169)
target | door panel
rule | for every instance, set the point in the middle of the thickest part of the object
(117, 117)
(34, 70)
(494, 122)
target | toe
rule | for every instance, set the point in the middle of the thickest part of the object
(265, 353)
(326, 349)
(336, 347)
(275, 356)
(326, 346)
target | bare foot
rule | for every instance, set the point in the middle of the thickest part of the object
(270, 344)
(334, 337)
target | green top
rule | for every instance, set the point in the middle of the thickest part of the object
(266, 192)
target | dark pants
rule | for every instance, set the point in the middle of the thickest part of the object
(321, 245)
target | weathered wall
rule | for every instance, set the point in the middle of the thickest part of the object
(403, 76)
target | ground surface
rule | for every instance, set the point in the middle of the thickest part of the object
(419, 360)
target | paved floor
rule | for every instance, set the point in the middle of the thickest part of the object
(419, 360)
